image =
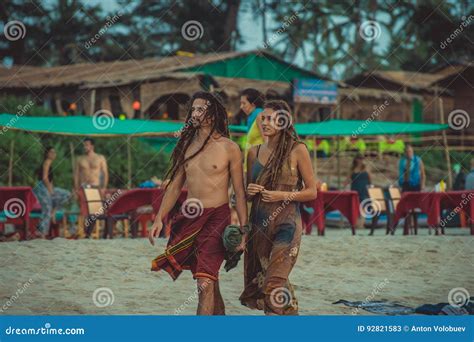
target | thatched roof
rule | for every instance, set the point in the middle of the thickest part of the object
(113, 73)
(233, 86)
(408, 79)
(450, 70)
(356, 93)
(101, 73)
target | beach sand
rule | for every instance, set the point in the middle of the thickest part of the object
(59, 277)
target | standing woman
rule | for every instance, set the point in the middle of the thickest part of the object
(50, 198)
(359, 179)
(279, 176)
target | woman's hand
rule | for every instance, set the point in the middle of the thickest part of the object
(273, 196)
(155, 231)
(253, 189)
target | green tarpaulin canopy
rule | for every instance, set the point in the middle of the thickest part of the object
(357, 127)
(99, 126)
(107, 126)
(364, 127)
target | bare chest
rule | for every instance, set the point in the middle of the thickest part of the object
(211, 160)
(89, 163)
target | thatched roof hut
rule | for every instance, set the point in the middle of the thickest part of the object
(161, 85)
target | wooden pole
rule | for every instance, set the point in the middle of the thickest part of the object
(73, 161)
(338, 116)
(338, 164)
(315, 158)
(10, 163)
(445, 144)
(92, 107)
(129, 162)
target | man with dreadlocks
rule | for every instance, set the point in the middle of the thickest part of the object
(279, 176)
(206, 160)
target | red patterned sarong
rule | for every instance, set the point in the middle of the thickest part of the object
(195, 244)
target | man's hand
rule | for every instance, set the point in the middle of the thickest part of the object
(155, 231)
(253, 189)
(241, 247)
(273, 196)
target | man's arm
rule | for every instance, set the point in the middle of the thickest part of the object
(105, 170)
(172, 193)
(170, 197)
(237, 178)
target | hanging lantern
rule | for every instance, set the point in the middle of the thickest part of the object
(165, 115)
(122, 116)
(136, 105)
(73, 106)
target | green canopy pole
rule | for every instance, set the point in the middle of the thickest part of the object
(445, 143)
(129, 162)
(338, 116)
(315, 158)
(10, 163)
(73, 162)
(338, 164)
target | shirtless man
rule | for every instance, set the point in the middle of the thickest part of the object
(207, 160)
(90, 167)
(88, 171)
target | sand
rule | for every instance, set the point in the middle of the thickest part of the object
(59, 277)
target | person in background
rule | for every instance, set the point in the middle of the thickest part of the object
(90, 168)
(50, 198)
(470, 177)
(251, 103)
(412, 175)
(359, 179)
(90, 171)
(459, 177)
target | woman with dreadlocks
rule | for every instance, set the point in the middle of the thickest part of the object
(206, 160)
(280, 176)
